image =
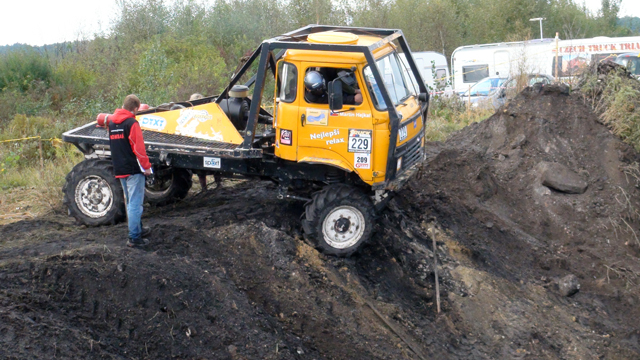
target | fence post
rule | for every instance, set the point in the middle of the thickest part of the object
(41, 155)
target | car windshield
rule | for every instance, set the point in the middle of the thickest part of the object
(399, 87)
(485, 87)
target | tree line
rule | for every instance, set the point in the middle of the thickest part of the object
(163, 51)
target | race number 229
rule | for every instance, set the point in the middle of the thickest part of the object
(360, 141)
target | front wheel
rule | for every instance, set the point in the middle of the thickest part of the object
(339, 219)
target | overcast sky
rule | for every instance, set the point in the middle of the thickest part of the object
(39, 22)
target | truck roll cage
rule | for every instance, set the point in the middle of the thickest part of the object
(297, 39)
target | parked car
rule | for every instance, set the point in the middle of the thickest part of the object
(510, 87)
(480, 92)
(631, 61)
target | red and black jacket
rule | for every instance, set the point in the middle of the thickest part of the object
(127, 145)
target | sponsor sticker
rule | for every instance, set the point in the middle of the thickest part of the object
(153, 122)
(212, 162)
(360, 141)
(286, 137)
(187, 115)
(317, 117)
(351, 114)
(324, 134)
(362, 161)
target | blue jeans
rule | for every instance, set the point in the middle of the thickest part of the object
(133, 187)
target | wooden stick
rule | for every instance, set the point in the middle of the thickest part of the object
(435, 266)
(41, 155)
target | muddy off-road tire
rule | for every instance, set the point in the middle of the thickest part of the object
(339, 219)
(93, 195)
(166, 191)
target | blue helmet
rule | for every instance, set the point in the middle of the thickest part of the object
(314, 83)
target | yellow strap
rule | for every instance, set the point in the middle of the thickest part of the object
(53, 140)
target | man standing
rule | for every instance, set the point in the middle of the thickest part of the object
(130, 164)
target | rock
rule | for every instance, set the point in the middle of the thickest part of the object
(561, 178)
(569, 285)
(232, 350)
(121, 267)
(519, 141)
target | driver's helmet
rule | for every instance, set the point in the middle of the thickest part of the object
(314, 83)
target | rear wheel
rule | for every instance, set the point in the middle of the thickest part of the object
(93, 195)
(167, 186)
(339, 219)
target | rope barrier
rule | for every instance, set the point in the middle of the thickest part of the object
(53, 140)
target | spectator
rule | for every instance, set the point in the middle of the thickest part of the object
(130, 164)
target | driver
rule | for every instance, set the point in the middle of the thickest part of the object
(316, 90)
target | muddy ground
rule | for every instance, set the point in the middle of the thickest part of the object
(228, 275)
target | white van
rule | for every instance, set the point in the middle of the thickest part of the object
(434, 70)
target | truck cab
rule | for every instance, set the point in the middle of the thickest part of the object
(309, 131)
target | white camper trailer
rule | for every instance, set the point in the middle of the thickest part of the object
(434, 70)
(473, 63)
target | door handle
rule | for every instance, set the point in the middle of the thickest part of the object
(302, 118)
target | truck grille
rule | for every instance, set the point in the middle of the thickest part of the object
(411, 152)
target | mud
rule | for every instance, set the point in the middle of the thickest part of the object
(228, 275)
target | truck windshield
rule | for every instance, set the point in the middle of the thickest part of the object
(397, 85)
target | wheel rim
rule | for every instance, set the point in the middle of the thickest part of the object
(157, 186)
(343, 227)
(94, 196)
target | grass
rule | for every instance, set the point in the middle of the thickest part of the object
(448, 115)
(616, 99)
(30, 191)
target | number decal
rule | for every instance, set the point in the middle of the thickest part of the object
(403, 133)
(360, 141)
(362, 161)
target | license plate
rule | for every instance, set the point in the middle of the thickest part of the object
(403, 133)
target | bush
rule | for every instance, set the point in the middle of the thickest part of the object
(615, 97)
(21, 69)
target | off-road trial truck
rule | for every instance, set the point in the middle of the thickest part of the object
(343, 160)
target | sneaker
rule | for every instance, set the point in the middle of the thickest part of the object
(138, 243)
(145, 231)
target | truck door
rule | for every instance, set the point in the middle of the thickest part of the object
(286, 110)
(343, 138)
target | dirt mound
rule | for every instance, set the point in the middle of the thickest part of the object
(485, 184)
(537, 193)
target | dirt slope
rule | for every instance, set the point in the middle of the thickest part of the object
(228, 276)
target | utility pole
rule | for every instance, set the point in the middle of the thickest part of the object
(539, 19)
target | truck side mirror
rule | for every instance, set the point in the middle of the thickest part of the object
(335, 95)
(424, 97)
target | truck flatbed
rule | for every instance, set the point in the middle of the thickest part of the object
(160, 142)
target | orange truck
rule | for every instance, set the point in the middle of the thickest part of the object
(345, 132)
